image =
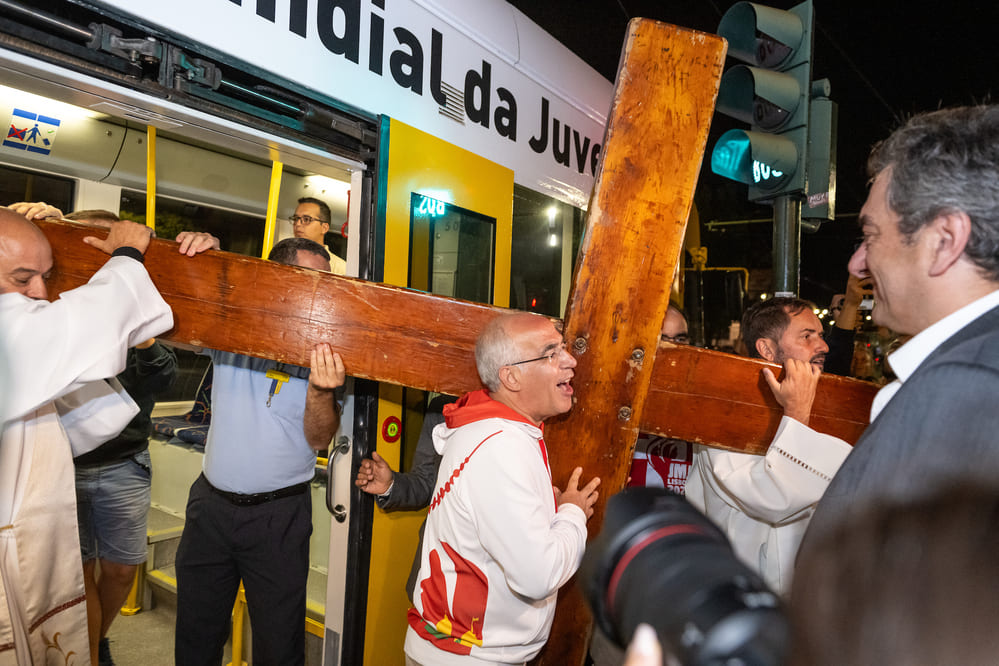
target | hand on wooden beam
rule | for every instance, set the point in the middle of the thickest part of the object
(36, 210)
(122, 234)
(796, 392)
(322, 412)
(328, 371)
(194, 242)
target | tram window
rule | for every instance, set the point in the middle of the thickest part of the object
(24, 185)
(237, 232)
(546, 236)
(191, 368)
(451, 250)
(451, 253)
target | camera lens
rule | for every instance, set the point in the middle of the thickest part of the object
(660, 561)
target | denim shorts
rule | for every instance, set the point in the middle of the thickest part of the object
(112, 501)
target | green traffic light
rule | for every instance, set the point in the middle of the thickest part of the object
(772, 93)
(761, 160)
(731, 155)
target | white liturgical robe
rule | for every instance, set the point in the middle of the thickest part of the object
(763, 503)
(55, 358)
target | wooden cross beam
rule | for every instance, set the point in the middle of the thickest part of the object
(400, 336)
(626, 380)
(658, 126)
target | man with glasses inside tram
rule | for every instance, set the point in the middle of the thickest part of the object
(312, 220)
(500, 538)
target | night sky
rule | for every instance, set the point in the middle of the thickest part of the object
(883, 64)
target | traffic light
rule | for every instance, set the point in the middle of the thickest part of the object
(772, 94)
(820, 195)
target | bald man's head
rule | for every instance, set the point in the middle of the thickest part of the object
(25, 256)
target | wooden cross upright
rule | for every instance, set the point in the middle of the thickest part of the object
(625, 380)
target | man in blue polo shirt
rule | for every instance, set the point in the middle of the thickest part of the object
(249, 515)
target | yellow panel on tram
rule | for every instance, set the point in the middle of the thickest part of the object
(421, 164)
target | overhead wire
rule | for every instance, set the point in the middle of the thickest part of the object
(856, 70)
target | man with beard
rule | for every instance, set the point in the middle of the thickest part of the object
(763, 503)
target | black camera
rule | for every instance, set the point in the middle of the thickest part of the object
(660, 561)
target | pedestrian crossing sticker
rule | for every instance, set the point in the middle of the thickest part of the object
(31, 131)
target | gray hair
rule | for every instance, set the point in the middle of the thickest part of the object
(944, 162)
(493, 350)
(92, 215)
(286, 251)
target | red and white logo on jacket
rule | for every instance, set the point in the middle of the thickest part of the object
(457, 626)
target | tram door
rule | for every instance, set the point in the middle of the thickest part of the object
(445, 215)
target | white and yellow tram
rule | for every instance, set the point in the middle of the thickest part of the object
(455, 142)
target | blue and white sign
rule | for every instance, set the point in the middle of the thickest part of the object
(31, 131)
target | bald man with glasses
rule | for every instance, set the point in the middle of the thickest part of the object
(500, 538)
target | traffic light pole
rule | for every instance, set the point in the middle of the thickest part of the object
(787, 244)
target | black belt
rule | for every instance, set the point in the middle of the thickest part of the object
(239, 499)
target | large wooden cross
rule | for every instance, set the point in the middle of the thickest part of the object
(626, 380)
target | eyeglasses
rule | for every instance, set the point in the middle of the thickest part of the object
(304, 220)
(682, 339)
(550, 356)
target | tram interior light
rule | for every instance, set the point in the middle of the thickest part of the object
(552, 213)
(317, 185)
(24, 100)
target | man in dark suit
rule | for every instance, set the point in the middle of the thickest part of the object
(931, 247)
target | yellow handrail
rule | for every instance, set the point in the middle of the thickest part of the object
(270, 224)
(132, 604)
(151, 177)
(238, 614)
(740, 269)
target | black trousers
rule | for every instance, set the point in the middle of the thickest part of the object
(267, 546)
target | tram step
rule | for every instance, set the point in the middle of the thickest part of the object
(160, 588)
(162, 538)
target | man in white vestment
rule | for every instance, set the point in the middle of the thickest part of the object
(763, 503)
(56, 357)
